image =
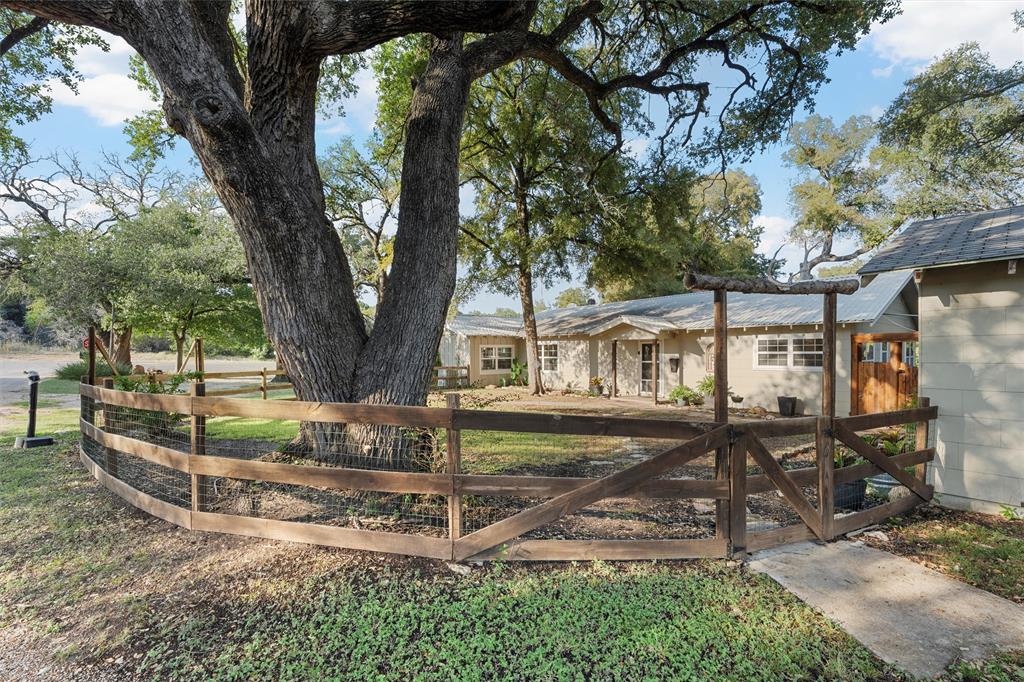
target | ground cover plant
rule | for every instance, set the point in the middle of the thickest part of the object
(984, 550)
(87, 583)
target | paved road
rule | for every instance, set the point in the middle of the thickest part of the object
(14, 385)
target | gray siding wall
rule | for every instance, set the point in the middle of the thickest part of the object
(972, 368)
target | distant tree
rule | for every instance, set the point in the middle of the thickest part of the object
(546, 189)
(506, 312)
(955, 137)
(841, 193)
(572, 296)
(685, 223)
(53, 208)
(189, 278)
(361, 195)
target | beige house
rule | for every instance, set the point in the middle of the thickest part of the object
(647, 347)
(972, 349)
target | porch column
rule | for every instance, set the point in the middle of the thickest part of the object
(615, 368)
(654, 370)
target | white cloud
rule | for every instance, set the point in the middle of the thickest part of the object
(928, 28)
(775, 235)
(106, 93)
(360, 110)
(110, 98)
(876, 112)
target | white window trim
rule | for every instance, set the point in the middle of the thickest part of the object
(790, 367)
(540, 356)
(496, 347)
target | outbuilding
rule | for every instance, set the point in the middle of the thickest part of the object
(971, 307)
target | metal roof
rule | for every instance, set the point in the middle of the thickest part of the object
(967, 238)
(486, 325)
(694, 311)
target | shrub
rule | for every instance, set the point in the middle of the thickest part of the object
(686, 394)
(74, 371)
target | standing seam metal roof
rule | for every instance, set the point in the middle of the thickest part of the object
(694, 311)
(967, 238)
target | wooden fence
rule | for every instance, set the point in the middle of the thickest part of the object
(446, 378)
(103, 450)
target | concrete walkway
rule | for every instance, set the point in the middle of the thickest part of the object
(910, 616)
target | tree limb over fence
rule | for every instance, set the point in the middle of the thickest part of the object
(698, 281)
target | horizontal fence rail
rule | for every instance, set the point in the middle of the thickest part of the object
(157, 453)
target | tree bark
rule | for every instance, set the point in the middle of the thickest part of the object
(122, 350)
(179, 347)
(525, 284)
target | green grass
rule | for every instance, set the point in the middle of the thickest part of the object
(54, 386)
(43, 403)
(100, 584)
(49, 422)
(984, 551)
(492, 452)
(238, 428)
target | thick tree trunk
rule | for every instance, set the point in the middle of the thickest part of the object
(395, 365)
(122, 350)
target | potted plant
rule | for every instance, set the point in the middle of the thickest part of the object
(684, 395)
(849, 495)
(597, 385)
(891, 442)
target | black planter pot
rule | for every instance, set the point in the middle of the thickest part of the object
(787, 405)
(851, 495)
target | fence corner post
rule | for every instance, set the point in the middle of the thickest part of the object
(263, 382)
(738, 497)
(454, 466)
(825, 444)
(197, 430)
(921, 440)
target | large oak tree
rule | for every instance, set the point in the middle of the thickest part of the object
(251, 124)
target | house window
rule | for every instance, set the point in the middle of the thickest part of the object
(809, 352)
(709, 359)
(789, 352)
(495, 358)
(910, 353)
(772, 353)
(549, 357)
(876, 351)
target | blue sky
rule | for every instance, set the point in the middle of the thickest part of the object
(863, 81)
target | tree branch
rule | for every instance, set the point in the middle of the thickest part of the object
(36, 25)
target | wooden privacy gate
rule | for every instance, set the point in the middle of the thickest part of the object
(884, 372)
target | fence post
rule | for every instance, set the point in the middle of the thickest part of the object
(454, 466)
(198, 447)
(263, 383)
(738, 496)
(825, 445)
(921, 441)
(109, 454)
(92, 356)
(722, 458)
(200, 355)
(824, 442)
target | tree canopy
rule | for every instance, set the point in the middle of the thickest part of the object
(955, 137)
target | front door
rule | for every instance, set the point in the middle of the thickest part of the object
(646, 368)
(884, 374)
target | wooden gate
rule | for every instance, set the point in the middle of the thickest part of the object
(883, 377)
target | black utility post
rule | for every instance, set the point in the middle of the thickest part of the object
(30, 439)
